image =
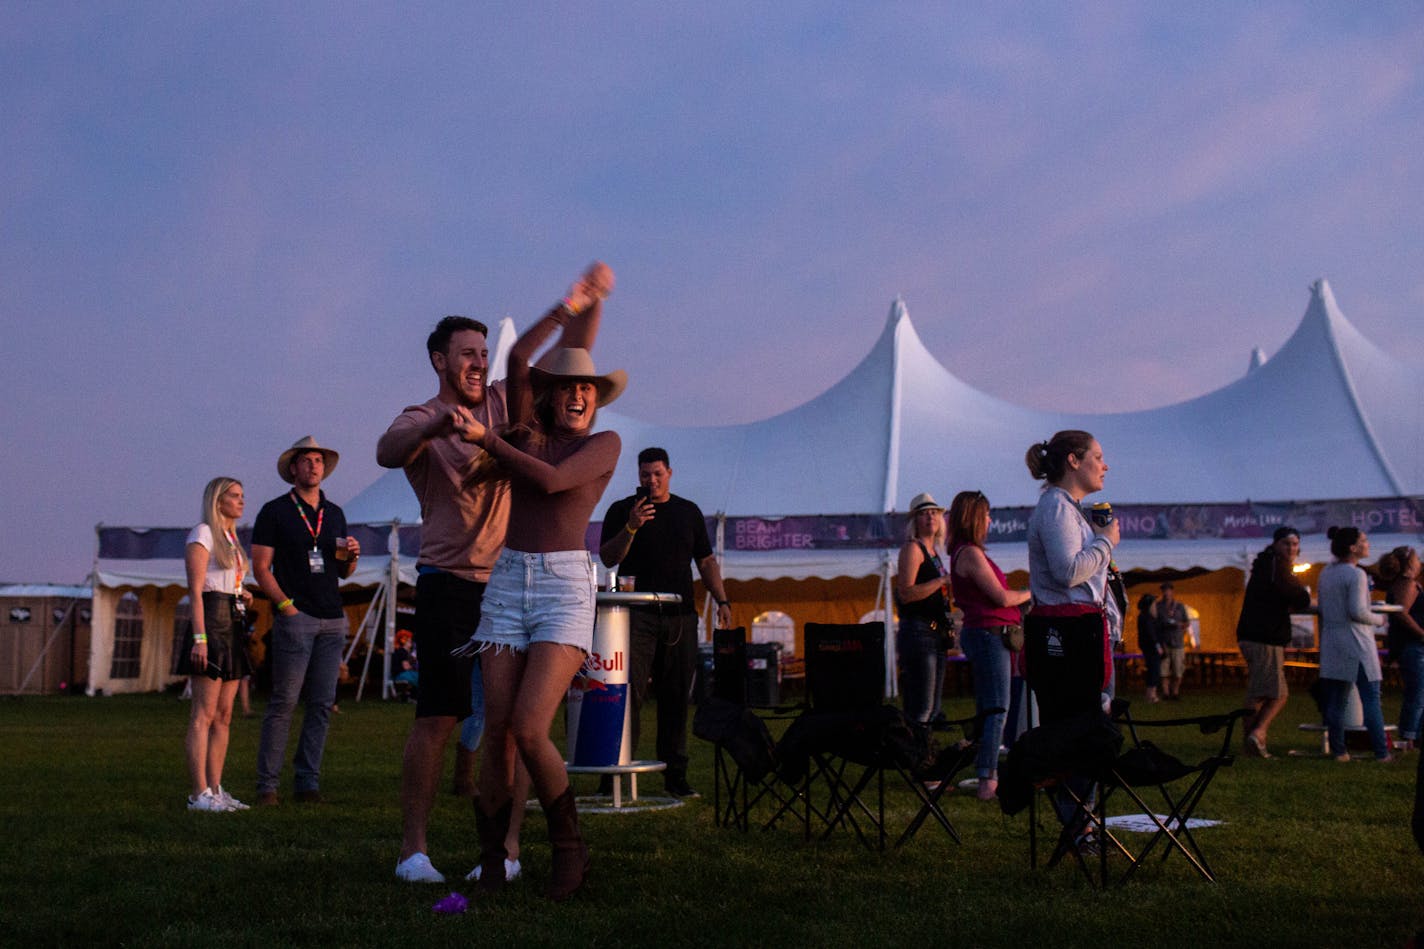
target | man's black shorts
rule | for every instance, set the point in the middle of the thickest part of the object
(447, 613)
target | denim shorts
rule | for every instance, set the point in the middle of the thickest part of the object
(539, 598)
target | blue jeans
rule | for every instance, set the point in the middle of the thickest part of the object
(1411, 669)
(990, 660)
(1338, 692)
(921, 652)
(306, 662)
(473, 728)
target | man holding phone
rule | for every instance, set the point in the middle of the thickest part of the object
(655, 536)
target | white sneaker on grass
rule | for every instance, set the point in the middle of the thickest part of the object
(207, 801)
(511, 871)
(228, 801)
(417, 868)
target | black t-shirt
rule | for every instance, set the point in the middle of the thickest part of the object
(662, 552)
(280, 526)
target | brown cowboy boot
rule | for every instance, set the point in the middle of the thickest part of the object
(570, 857)
(492, 828)
(464, 771)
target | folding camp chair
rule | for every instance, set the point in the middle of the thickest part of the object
(1067, 759)
(744, 752)
(849, 738)
(1145, 765)
(937, 777)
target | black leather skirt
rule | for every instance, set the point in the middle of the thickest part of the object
(227, 635)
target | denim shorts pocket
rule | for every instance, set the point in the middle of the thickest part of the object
(576, 567)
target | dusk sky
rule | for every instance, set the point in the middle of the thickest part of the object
(225, 226)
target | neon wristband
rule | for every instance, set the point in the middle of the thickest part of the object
(285, 603)
(632, 531)
(200, 640)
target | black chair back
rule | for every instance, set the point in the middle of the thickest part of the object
(845, 666)
(729, 664)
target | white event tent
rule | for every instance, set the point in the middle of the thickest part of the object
(1329, 419)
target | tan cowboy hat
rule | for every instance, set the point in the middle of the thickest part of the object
(924, 502)
(574, 363)
(284, 460)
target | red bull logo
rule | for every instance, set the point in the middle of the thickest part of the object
(595, 663)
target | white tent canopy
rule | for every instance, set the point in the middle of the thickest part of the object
(900, 423)
(1330, 416)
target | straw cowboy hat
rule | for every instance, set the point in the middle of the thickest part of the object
(924, 502)
(306, 444)
(559, 365)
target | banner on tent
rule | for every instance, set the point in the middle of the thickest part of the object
(1251, 519)
(167, 543)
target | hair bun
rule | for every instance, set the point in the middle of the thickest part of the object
(1330, 532)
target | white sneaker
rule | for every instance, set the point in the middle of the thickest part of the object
(417, 868)
(207, 801)
(511, 871)
(228, 801)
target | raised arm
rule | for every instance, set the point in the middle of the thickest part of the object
(578, 315)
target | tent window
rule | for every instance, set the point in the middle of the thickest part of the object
(775, 626)
(182, 614)
(128, 638)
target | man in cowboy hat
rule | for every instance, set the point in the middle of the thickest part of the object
(655, 536)
(300, 552)
(462, 532)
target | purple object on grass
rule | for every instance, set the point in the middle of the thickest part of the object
(452, 905)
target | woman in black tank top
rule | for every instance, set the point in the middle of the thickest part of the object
(921, 590)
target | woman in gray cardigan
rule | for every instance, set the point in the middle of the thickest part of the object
(1349, 658)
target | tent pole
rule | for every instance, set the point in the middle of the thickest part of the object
(882, 603)
(392, 587)
(709, 610)
(367, 632)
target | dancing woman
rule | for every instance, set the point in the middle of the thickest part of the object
(536, 626)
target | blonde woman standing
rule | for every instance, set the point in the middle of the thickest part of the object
(922, 592)
(213, 655)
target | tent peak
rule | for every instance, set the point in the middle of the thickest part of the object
(1257, 360)
(898, 311)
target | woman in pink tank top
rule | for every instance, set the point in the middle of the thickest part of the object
(982, 593)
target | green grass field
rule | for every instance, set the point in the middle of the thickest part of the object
(99, 849)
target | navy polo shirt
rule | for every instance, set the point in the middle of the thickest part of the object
(280, 526)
